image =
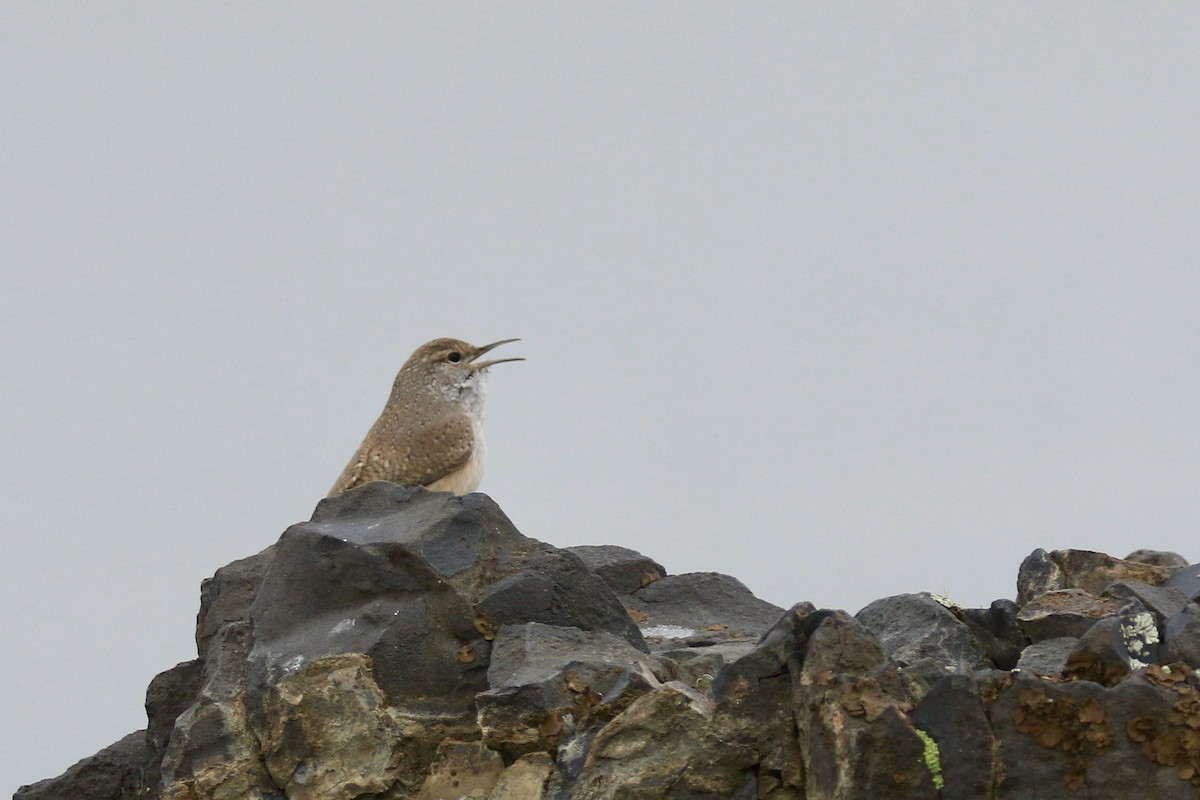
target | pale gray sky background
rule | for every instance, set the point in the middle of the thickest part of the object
(843, 299)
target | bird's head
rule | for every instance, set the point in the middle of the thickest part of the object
(453, 362)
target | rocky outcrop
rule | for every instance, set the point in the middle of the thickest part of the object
(412, 645)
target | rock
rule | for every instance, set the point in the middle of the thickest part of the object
(212, 753)
(419, 582)
(227, 595)
(702, 607)
(1161, 601)
(168, 695)
(1130, 639)
(952, 715)
(1100, 656)
(699, 666)
(1092, 572)
(329, 732)
(525, 779)
(1049, 656)
(1060, 738)
(544, 682)
(1161, 716)
(1181, 637)
(997, 631)
(643, 752)
(462, 771)
(555, 593)
(848, 700)
(923, 635)
(115, 773)
(1187, 581)
(748, 735)
(624, 570)
(406, 645)
(568, 762)
(1157, 558)
(630, 685)
(533, 652)
(1063, 613)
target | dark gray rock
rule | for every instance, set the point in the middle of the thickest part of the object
(1049, 656)
(913, 628)
(748, 731)
(227, 595)
(1063, 613)
(1092, 572)
(1161, 601)
(168, 695)
(711, 606)
(535, 652)
(1158, 558)
(211, 746)
(1187, 581)
(892, 761)
(568, 762)
(952, 714)
(419, 581)
(1062, 741)
(624, 570)
(848, 700)
(408, 644)
(115, 773)
(699, 666)
(1125, 769)
(554, 591)
(1181, 637)
(1114, 647)
(544, 682)
(997, 630)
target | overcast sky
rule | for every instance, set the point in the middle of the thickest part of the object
(845, 300)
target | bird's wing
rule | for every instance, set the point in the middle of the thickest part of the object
(433, 451)
(437, 449)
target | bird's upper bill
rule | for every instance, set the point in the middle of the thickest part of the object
(484, 348)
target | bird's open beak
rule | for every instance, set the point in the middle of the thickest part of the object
(485, 364)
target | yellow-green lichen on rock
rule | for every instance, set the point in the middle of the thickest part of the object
(933, 758)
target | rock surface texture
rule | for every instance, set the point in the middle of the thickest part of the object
(413, 645)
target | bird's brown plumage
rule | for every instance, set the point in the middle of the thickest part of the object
(430, 432)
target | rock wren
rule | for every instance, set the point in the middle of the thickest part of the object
(430, 433)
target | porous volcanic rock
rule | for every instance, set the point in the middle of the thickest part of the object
(413, 645)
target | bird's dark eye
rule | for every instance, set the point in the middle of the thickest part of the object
(454, 357)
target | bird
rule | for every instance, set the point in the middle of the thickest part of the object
(430, 432)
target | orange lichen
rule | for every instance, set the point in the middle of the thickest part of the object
(1085, 666)
(1174, 739)
(863, 697)
(1078, 729)
(485, 626)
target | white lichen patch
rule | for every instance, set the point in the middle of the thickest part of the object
(944, 600)
(292, 664)
(1139, 632)
(342, 627)
(668, 632)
